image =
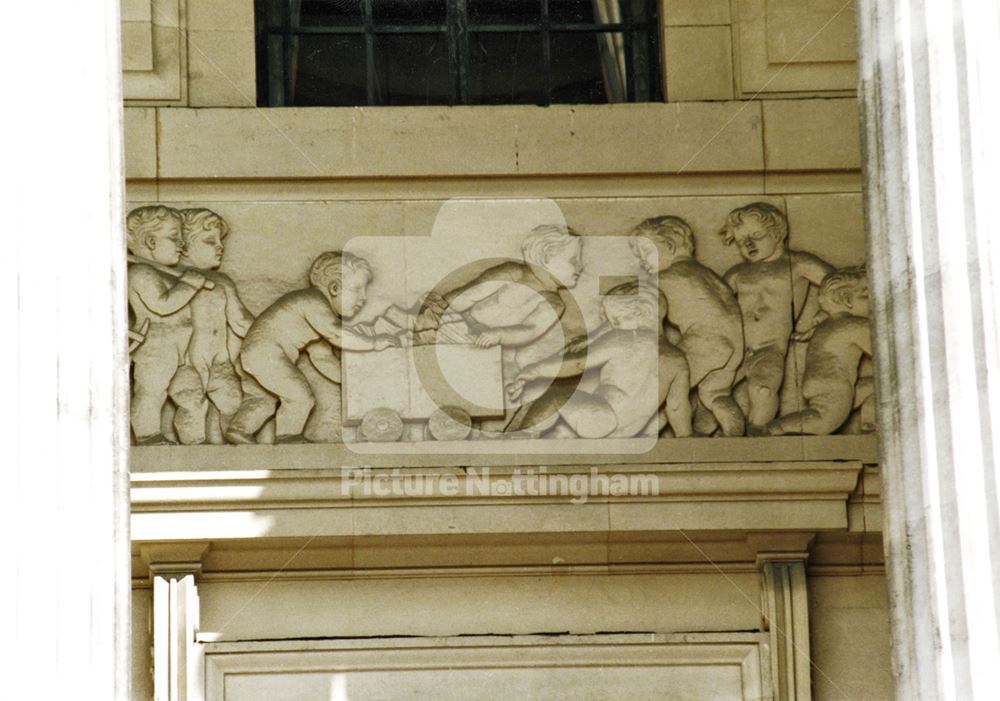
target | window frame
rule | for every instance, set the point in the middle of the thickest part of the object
(457, 29)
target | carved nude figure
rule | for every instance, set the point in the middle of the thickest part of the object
(771, 286)
(704, 311)
(639, 370)
(159, 295)
(836, 346)
(219, 320)
(276, 338)
(513, 303)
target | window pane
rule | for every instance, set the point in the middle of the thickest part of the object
(504, 11)
(574, 11)
(643, 64)
(412, 69)
(506, 68)
(328, 70)
(587, 67)
(409, 12)
(328, 13)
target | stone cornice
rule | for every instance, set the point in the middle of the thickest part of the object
(769, 494)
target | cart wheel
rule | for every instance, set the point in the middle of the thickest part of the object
(450, 423)
(382, 426)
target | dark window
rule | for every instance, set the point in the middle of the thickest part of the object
(457, 52)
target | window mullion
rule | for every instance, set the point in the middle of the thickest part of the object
(371, 77)
(286, 49)
(547, 52)
(458, 50)
(629, 58)
(654, 74)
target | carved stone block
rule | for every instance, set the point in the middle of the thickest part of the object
(415, 382)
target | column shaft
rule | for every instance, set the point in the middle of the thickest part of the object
(930, 110)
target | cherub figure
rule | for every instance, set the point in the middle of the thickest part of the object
(703, 309)
(836, 346)
(639, 370)
(159, 296)
(272, 346)
(511, 304)
(771, 287)
(219, 320)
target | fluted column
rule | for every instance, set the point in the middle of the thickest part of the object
(931, 117)
(64, 371)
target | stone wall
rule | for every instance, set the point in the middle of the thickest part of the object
(757, 554)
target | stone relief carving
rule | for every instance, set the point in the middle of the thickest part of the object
(679, 350)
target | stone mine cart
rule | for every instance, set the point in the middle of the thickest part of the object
(432, 389)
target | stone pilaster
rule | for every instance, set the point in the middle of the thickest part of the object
(177, 662)
(932, 153)
(781, 559)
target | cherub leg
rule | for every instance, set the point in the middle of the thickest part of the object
(295, 399)
(188, 393)
(826, 413)
(589, 415)
(224, 391)
(150, 380)
(542, 414)
(257, 407)
(715, 393)
(703, 422)
(678, 402)
(765, 371)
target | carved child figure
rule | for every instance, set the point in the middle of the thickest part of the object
(837, 345)
(704, 311)
(294, 322)
(771, 286)
(219, 320)
(159, 296)
(639, 370)
(511, 304)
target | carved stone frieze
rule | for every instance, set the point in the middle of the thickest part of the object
(577, 337)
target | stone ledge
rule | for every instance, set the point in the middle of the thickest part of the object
(622, 451)
(437, 141)
(804, 496)
(330, 558)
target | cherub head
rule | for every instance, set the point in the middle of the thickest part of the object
(343, 278)
(154, 233)
(660, 241)
(845, 291)
(634, 305)
(759, 230)
(557, 250)
(203, 231)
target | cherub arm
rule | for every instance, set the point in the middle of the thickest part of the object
(572, 364)
(810, 267)
(237, 316)
(731, 279)
(581, 341)
(807, 333)
(325, 361)
(326, 324)
(565, 364)
(542, 318)
(863, 336)
(160, 297)
(467, 295)
(673, 334)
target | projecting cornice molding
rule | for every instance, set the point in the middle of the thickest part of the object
(787, 484)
